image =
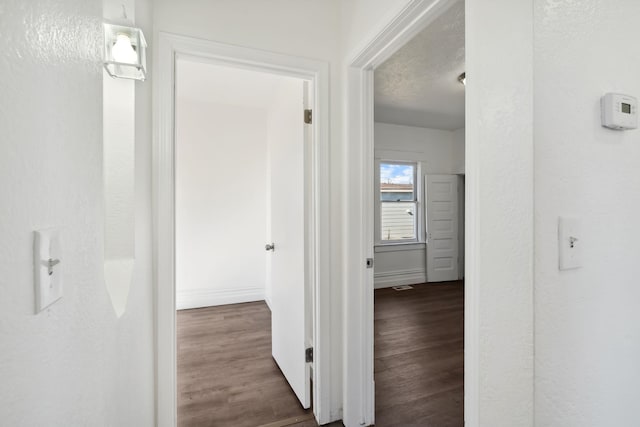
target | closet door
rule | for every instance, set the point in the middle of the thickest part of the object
(442, 227)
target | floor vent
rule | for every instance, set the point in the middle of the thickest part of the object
(403, 288)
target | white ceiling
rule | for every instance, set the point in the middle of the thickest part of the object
(224, 85)
(418, 85)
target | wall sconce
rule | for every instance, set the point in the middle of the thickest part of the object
(462, 78)
(125, 52)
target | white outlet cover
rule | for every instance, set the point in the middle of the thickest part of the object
(48, 287)
(570, 243)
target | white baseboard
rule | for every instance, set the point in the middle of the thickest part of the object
(196, 298)
(389, 279)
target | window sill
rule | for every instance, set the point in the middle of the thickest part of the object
(397, 247)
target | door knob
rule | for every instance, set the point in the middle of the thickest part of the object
(270, 247)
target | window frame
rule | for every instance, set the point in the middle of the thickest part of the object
(417, 202)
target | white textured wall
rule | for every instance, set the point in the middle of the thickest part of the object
(75, 363)
(587, 320)
(362, 20)
(499, 220)
(458, 136)
(221, 171)
(440, 151)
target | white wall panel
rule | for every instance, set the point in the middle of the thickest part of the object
(587, 334)
(75, 363)
(221, 170)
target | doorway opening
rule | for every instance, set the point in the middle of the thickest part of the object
(242, 290)
(221, 241)
(419, 114)
(365, 223)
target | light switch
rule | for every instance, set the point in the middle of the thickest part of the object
(48, 268)
(570, 242)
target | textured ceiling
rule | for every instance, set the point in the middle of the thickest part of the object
(225, 85)
(418, 85)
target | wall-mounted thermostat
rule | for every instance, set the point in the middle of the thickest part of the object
(619, 111)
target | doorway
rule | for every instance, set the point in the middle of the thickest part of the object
(360, 331)
(240, 186)
(419, 145)
(311, 309)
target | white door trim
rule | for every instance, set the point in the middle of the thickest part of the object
(499, 231)
(359, 389)
(317, 72)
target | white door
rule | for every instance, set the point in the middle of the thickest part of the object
(442, 227)
(287, 231)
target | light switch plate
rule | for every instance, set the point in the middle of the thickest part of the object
(48, 268)
(570, 243)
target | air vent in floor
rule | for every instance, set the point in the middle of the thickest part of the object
(403, 288)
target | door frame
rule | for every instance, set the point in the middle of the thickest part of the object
(359, 385)
(170, 47)
(499, 247)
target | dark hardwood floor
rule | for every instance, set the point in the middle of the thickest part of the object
(419, 356)
(227, 377)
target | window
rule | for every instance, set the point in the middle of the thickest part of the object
(398, 202)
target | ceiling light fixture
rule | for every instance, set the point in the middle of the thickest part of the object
(462, 79)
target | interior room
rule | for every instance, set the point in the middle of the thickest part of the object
(419, 141)
(239, 170)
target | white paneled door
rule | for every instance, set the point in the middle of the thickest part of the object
(287, 232)
(442, 227)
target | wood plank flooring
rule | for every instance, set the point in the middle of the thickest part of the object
(419, 356)
(227, 377)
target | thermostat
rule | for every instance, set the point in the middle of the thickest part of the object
(619, 111)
